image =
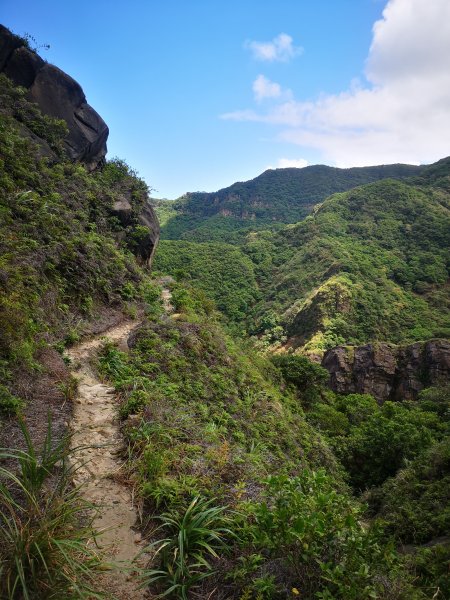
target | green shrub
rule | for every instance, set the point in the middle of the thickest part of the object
(314, 537)
(329, 420)
(377, 447)
(308, 377)
(133, 403)
(431, 568)
(436, 399)
(414, 504)
(9, 405)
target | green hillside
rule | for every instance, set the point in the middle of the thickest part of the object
(64, 253)
(369, 264)
(251, 479)
(223, 272)
(274, 197)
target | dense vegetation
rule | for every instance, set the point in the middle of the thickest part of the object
(255, 471)
(274, 197)
(47, 542)
(243, 459)
(59, 251)
(369, 264)
(222, 271)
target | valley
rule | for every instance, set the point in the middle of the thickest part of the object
(240, 395)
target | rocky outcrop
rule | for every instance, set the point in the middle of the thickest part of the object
(143, 245)
(386, 371)
(57, 95)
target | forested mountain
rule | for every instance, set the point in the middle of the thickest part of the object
(219, 459)
(368, 264)
(274, 197)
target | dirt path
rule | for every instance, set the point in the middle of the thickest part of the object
(166, 296)
(95, 424)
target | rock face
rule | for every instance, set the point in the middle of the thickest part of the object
(386, 371)
(57, 95)
(145, 245)
(60, 96)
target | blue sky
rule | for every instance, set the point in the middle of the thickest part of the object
(201, 93)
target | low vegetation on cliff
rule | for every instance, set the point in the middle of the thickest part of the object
(64, 253)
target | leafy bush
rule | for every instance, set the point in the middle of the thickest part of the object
(9, 404)
(414, 504)
(380, 445)
(436, 399)
(373, 442)
(307, 376)
(430, 566)
(315, 543)
(222, 272)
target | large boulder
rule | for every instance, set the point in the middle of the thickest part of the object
(386, 371)
(57, 95)
(144, 246)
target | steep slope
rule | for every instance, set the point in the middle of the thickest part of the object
(369, 264)
(274, 197)
(222, 271)
(72, 242)
(77, 236)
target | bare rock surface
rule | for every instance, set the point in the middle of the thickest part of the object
(386, 371)
(57, 95)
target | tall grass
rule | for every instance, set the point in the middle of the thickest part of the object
(47, 543)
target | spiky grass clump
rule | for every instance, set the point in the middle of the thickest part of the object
(193, 537)
(47, 543)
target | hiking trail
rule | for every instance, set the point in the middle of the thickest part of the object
(95, 424)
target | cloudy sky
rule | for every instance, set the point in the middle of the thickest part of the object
(200, 94)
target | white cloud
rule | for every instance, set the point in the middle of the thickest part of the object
(264, 88)
(285, 163)
(280, 49)
(401, 114)
(298, 163)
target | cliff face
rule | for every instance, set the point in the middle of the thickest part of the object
(57, 95)
(388, 372)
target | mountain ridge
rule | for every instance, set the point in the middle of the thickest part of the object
(273, 198)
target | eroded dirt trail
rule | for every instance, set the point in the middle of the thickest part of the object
(95, 424)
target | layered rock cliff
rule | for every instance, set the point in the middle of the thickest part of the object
(386, 371)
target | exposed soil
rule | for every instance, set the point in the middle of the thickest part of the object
(95, 425)
(166, 298)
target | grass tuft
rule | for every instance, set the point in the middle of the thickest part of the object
(47, 542)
